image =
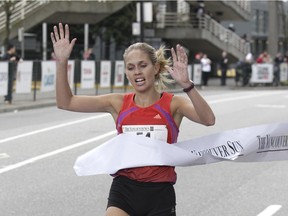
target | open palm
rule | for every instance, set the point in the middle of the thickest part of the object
(179, 71)
(61, 44)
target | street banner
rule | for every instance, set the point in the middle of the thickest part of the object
(24, 76)
(48, 76)
(252, 144)
(283, 72)
(105, 73)
(262, 73)
(3, 78)
(70, 73)
(87, 74)
(197, 74)
(119, 74)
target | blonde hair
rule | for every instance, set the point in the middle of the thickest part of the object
(157, 57)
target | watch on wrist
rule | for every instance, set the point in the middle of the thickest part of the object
(189, 88)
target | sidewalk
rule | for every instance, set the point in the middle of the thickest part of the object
(18, 105)
(24, 102)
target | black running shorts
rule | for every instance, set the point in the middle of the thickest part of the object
(142, 198)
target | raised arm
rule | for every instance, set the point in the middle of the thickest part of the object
(196, 109)
(65, 99)
(62, 49)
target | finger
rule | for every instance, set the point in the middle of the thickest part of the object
(56, 33)
(179, 53)
(185, 58)
(67, 32)
(73, 43)
(174, 57)
(52, 37)
(183, 55)
(61, 31)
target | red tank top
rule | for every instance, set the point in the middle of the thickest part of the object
(157, 115)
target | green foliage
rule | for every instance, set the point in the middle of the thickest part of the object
(118, 25)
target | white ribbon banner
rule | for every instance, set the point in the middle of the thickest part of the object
(251, 144)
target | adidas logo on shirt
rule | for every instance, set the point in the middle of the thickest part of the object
(157, 116)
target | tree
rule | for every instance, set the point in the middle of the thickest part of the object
(118, 25)
(8, 7)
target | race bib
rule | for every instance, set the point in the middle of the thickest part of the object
(158, 132)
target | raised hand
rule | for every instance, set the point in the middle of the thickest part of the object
(179, 71)
(61, 44)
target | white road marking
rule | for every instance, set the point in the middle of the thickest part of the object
(271, 106)
(104, 115)
(52, 128)
(246, 97)
(270, 210)
(52, 153)
(4, 155)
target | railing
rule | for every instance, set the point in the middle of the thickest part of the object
(244, 4)
(21, 9)
(205, 22)
(24, 7)
(226, 35)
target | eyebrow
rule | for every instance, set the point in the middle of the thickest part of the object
(139, 62)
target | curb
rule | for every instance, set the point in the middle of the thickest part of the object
(26, 106)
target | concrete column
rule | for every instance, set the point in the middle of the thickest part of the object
(44, 40)
(97, 48)
(86, 36)
(112, 54)
(273, 28)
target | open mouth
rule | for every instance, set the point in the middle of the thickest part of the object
(140, 81)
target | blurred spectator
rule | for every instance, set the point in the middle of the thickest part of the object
(88, 54)
(12, 57)
(231, 27)
(285, 59)
(239, 71)
(264, 57)
(277, 62)
(200, 11)
(247, 69)
(11, 54)
(244, 37)
(198, 57)
(223, 68)
(206, 69)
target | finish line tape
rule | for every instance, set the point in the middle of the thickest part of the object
(252, 144)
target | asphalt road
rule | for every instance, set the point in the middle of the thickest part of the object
(38, 149)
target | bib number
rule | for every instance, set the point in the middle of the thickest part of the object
(158, 132)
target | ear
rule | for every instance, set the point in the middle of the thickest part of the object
(157, 68)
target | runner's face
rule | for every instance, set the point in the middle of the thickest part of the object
(139, 70)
